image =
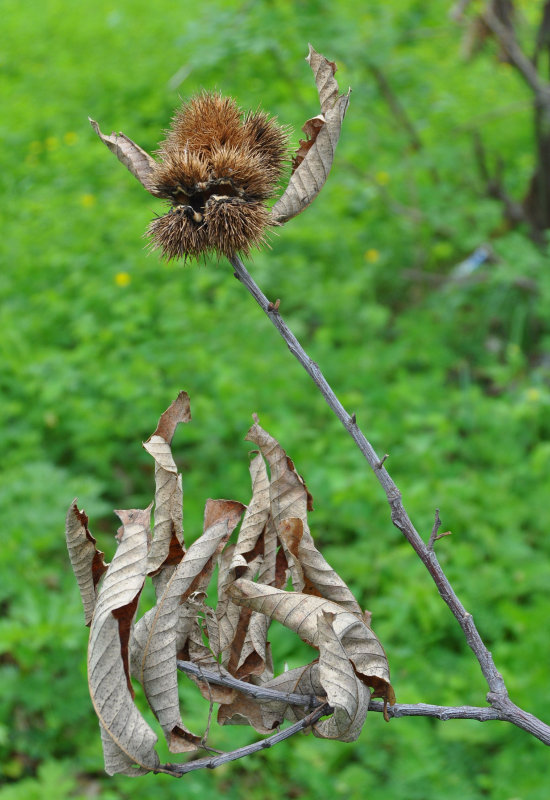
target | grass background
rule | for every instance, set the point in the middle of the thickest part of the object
(451, 379)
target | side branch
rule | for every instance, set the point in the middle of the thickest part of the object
(211, 762)
(498, 694)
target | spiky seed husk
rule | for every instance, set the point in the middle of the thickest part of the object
(217, 169)
(236, 225)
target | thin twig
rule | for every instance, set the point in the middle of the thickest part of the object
(480, 713)
(211, 762)
(259, 692)
(498, 694)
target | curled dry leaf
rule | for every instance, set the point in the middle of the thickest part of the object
(301, 680)
(167, 545)
(243, 635)
(331, 678)
(247, 711)
(288, 493)
(265, 715)
(301, 613)
(134, 158)
(128, 741)
(154, 656)
(314, 157)
(178, 411)
(248, 654)
(86, 560)
(227, 613)
(274, 541)
(290, 502)
(255, 518)
(348, 695)
(319, 577)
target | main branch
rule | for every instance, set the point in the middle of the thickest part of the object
(498, 694)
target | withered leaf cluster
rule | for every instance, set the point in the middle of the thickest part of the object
(272, 571)
(218, 167)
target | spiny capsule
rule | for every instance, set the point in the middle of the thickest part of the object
(217, 168)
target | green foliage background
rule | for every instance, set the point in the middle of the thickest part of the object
(451, 379)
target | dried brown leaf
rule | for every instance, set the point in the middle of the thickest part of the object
(247, 711)
(345, 692)
(301, 613)
(178, 411)
(242, 636)
(302, 680)
(128, 741)
(288, 493)
(136, 160)
(252, 655)
(241, 633)
(255, 517)
(154, 663)
(227, 612)
(314, 157)
(319, 577)
(327, 86)
(86, 560)
(290, 502)
(265, 715)
(167, 547)
(289, 496)
(268, 569)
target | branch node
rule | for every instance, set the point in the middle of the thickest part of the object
(381, 462)
(271, 307)
(353, 419)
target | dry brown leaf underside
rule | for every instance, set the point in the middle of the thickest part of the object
(271, 571)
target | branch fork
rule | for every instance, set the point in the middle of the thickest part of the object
(502, 707)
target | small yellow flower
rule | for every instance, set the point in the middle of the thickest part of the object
(382, 178)
(87, 200)
(52, 143)
(123, 279)
(533, 394)
(70, 138)
(372, 255)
